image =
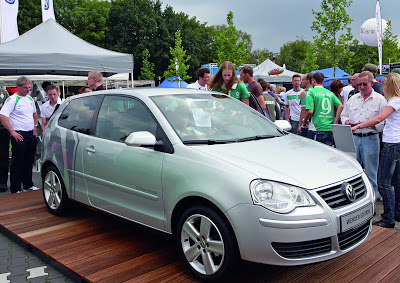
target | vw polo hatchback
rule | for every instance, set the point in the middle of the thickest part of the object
(223, 180)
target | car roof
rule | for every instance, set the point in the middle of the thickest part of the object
(147, 91)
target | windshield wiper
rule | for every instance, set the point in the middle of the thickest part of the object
(258, 137)
(210, 142)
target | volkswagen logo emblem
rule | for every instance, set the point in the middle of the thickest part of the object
(349, 192)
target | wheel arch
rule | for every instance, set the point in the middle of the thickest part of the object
(191, 201)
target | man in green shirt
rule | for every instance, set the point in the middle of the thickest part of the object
(320, 105)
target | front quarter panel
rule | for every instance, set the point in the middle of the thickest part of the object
(188, 173)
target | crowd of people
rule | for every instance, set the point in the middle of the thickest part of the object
(20, 124)
(368, 106)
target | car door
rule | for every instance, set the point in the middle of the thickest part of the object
(122, 179)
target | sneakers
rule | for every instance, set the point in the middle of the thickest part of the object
(383, 224)
(33, 188)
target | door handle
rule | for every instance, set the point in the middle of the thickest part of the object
(90, 149)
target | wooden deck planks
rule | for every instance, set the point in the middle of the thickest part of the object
(100, 248)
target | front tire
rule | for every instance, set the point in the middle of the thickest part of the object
(206, 243)
(54, 193)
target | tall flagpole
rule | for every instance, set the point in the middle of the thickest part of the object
(379, 33)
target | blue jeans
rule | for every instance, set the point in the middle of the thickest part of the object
(323, 137)
(389, 168)
(294, 124)
(367, 149)
(22, 159)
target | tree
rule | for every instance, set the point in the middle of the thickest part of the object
(179, 57)
(258, 56)
(390, 49)
(29, 15)
(310, 61)
(147, 71)
(229, 46)
(332, 26)
(86, 19)
(292, 54)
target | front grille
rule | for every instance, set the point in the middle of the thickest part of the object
(352, 237)
(303, 249)
(334, 197)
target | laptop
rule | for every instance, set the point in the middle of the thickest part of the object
(344, 139)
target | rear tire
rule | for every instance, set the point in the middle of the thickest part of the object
(206, 243)
(54, 193)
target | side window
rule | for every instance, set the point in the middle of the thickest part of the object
(119, 116)
(78, 114)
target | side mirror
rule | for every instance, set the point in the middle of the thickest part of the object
(284, 125)
(140, 139)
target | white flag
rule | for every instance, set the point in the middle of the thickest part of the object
(379, 33)
(47, 10)
(9, 26)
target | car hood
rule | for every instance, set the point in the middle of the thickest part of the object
(290, 159)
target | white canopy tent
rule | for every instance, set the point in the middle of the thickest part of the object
(51, 49)
(261, 71)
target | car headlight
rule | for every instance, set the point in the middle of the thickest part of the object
(279, 197)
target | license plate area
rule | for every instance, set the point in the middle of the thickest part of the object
(356, 218)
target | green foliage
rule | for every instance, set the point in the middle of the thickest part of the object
(310, 61)
(258, 56)
(147, 71)
(86, 19)
(363, 54)
(332, 26)
(390, 49)
(229, 45)
(29, 15)
(178, 55)
(293, 54)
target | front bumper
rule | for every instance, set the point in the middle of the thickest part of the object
(306, 235)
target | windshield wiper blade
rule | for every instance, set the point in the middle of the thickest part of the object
(210, 142)
(258, 137)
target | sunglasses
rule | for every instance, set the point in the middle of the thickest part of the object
(364, 84)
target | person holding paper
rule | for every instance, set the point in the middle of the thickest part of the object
(359, 108)
(390, 156)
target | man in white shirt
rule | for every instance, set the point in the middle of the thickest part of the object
(346, 90)
(18, 115)
(292, 103)
(203, 77)
(359, 108)
(47, 109)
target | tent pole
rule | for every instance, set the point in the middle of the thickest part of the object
(132, 80)
(63, 91)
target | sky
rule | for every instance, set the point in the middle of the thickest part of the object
(273, 23)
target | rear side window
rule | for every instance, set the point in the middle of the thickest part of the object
(78, 114)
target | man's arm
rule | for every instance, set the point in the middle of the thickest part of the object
(338, 112)
(302, 117)
(245, 101)
(35, 122)
(287, 112)
(44, 123)
(261, 100)
(6, 123)
(309, 114)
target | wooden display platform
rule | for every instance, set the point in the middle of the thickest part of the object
(90, 246)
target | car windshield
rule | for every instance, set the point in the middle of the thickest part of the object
(214, 118)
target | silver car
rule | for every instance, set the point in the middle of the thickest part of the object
(226, 182)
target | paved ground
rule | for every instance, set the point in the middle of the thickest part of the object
(18, 265)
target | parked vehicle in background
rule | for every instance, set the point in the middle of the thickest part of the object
(225, 181)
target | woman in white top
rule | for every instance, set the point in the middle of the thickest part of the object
(389, 163)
